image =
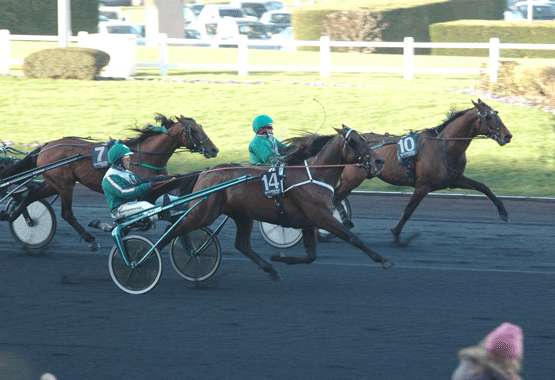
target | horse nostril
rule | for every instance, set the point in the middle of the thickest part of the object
(508, 138)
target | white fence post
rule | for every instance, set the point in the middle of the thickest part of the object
(408, 58)
(243, 56)
(494, 56)
(163, 45)
(325, 57)
(5, 53)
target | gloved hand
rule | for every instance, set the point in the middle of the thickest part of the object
(151, 185)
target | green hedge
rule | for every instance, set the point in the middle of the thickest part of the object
(408, 20)
(65, 63)
(539, 32)
(40, 17)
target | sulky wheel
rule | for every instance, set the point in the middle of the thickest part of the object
(193, 258)
(324, 235)
(137, 278)
(36, 225)
(278, 236)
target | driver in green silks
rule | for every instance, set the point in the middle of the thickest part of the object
(264, 147)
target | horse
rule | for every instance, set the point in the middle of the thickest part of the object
(152, 149)
(439, 162)
(305, 203)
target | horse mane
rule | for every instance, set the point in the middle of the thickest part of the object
(147, 131)
(451, 116)
(303, 147)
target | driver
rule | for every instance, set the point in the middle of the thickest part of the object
(264, 147)
(123, 189)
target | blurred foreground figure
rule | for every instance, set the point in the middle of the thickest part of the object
(497, 357)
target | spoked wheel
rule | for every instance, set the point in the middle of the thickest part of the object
(36, 225)
(278, 236)
(135, 279)
(324, 235)
(194, 260)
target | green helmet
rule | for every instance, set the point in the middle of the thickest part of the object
(260, 122)
(118, 151)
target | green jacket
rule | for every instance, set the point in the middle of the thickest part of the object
(265, 149)
(122, 186)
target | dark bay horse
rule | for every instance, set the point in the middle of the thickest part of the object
(152, 149)
(439, 163)
(306, 202)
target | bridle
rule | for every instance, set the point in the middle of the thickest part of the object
(187, 131)
(483, 116)
(363, 157)
(197, 145)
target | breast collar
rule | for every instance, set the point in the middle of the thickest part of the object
(310, 180)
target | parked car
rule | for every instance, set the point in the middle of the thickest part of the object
(188, 15)
(118, 27)
(276, 21)
(112, 13)
(541, 10)
(115, 3)
(196, 8)
(514, 15)
(215, 12)
(232, 28)
(256, 8)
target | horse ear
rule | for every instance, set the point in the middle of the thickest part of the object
(344, 126)
(474, 103)
(338, 130)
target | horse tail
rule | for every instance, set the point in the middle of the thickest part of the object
(27, 163)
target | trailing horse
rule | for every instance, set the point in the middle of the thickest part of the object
(305, 201)
(439, 162)
(153, 148)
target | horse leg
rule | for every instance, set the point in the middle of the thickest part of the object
(470, 184)
(342, 212)
(309, 240)
(67, 214)
(414, 200)
(35, 193)
(243, 245)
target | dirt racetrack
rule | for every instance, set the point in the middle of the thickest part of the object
(341, 317)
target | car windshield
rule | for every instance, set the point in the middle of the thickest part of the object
(281, 18)
(274, 5)
(252, 30)
(538, 10)
(254, 9)
(231, 13)
(121, 29)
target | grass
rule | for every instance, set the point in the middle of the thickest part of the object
(36, 111)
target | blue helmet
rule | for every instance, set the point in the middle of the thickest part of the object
(118, 151)
(260, 122)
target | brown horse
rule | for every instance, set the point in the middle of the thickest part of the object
(439, 163)
(306, 201)
(152, 150)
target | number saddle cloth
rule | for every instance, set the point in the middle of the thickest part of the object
(272, 186)
(407, 149)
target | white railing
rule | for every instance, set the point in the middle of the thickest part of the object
(408, 69)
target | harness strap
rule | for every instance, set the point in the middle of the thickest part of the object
(310, 180)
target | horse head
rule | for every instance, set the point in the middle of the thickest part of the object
(193, 137)
(357, 148)
(490, 124)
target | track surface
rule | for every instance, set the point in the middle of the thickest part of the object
(341, 317)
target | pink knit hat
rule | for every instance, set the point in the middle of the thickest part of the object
(505, 341)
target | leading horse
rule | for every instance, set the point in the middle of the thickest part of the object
(439, 163)
(152, 149)
(306, 201)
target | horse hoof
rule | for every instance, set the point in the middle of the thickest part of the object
(274, 276)
(504, 216)
(94, 246)
(387, 264)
